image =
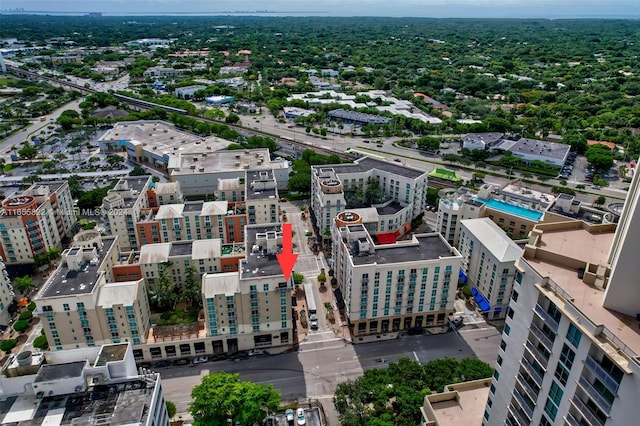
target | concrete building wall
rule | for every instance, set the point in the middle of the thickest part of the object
(6, 295)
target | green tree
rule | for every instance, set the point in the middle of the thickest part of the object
(114, 159)
(600, 156)
(8, 344)
(192, 287)
(40, 342)
(138, 171)
(23, 284)
(600, 201)
(28, 151)
(171, 409)
(232, 118)
(222, 396)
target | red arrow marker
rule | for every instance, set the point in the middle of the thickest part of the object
(287, 258)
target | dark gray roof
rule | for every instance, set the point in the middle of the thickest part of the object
(181, 248)
(430, 247)
(367, 163)
(65, 282)
(389, 209)
(259, 264)
(260, 176)
(542, 148)
(358, 116)
(193, 206)
(51, 372)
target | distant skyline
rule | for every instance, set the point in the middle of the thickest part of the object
(396, 8)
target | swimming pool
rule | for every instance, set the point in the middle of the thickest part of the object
(511, 209)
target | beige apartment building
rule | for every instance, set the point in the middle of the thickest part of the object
(35, 222)
(394, 287)
(123, 207)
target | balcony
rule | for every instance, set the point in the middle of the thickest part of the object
(548, 319)
(537, 377)
(571, 421)
(543, 338)
(537, 354)
(531, 393)
(586, 412)
(609, 381)
(518, 419)
(595, 395)
(528, 410)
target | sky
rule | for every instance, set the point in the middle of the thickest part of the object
(391, 8)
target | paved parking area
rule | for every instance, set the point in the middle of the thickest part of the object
(312, 416)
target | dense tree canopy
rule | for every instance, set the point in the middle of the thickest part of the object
(393, 396)
(221, 396)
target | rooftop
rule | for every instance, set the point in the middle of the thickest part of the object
(261, 185)
(121, 293)
(263, 242)
(422, 247)
(65, 281)
(110, 353)
(366, 164)
(493, 238)
(130, 188)
(537, 147)
(578, 242)
(53, 372)
(181, 248)
(459, 404)
(225, 283)
(389, 209)
(190, 162)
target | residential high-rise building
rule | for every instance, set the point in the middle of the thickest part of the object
(35, 222)
(334, 188)
(80, 306)
(252, 308)
(389, 288)
(488, 264)
(124, 205)
(100, 385)
(6, 295)
(569, 350)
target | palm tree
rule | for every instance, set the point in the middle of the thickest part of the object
(23, 284)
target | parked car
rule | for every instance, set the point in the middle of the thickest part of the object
(161, 364)
(290, 416)
(256, 352)
(313, 321)
(397, 160)
(301, 419)
(183, 361)
(200, 360)
(458, 321)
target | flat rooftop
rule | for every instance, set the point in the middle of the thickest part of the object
(161, 137)
(117, 404)
(181, 248)
(192, 162)
(429, 247)
(593, 248)
(367, 163)
(136, 184)
(467, 409)
(258, 264)
(110, 353)
(389, 209)
(66, 282)
(52, 372)
(553, 150)
(260, 185)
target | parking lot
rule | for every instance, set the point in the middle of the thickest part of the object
(311, 415)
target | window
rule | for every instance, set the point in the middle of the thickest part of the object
(503, 345)
(496, 375)
(507, 329)
(562, 374)
(555, 396)
(492, 389)
(574, 335)
(510, 313)
(499, 360)
(514, 296)
(567, 356)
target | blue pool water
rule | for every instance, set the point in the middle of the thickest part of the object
(511, 209)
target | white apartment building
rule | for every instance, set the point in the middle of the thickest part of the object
(6, 295)
(489, 257)
(35, 222)
(394, 287)
(123, 207)
(565, 356)
(397, 183)
(252, 308)
(261, 197)
(80, 306)
(99, 385)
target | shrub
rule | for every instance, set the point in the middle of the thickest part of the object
(21, 325)
(466, 291)
(40, 342)
(297, 278)
(32, 306)
(8, 344)
(26, 315)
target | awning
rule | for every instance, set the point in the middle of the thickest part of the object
(474, 291)
(480, 300)
(388, 238)
(462, 277)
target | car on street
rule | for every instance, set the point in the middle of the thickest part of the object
(457, 321)
(290, 416)
(183, 361)
(161, 364)
(397, 160)
(256, 352)
(313, 321)
(200, 360)
(301, 419)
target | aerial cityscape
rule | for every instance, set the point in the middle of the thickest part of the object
(294, 214)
